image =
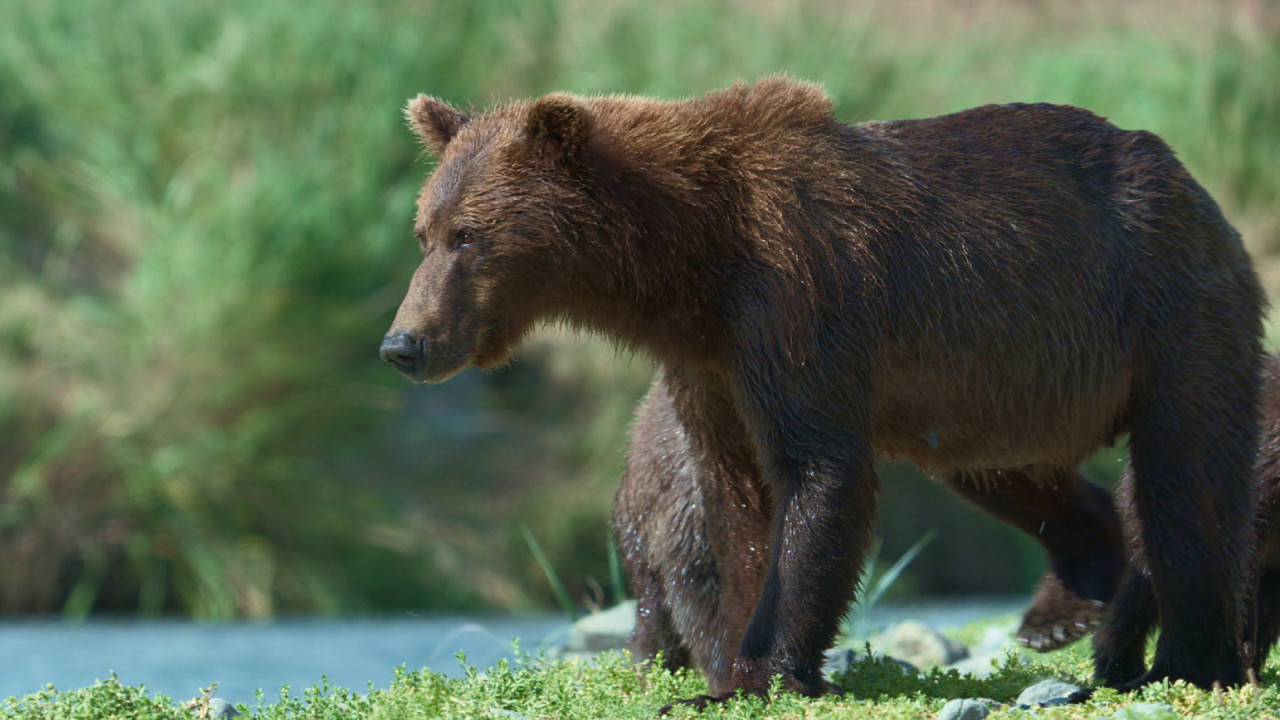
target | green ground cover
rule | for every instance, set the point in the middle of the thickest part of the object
(612, 688)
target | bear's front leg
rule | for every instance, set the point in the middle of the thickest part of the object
(823, 528)
(817, 463)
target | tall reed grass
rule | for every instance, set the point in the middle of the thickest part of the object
(204, 230)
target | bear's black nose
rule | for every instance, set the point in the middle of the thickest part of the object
(406, 351)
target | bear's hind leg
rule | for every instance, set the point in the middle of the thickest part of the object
(1193, 438)
(1076, 522)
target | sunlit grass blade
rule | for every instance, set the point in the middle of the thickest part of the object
(553, 578)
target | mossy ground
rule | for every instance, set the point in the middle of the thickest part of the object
(612, 688)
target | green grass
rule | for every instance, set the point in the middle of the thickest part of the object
(611, 688)
(204, 231)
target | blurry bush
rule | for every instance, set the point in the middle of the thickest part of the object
(204, 231)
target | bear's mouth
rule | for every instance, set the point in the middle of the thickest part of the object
(488, 349)
(444, 363)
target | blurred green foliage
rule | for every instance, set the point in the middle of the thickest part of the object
(205, 228)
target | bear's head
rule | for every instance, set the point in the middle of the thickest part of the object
(496, 222)
(619, 215)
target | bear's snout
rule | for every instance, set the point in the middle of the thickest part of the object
(406, 351)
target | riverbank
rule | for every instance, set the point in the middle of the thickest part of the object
(609, 687)
(320, 669)
(178, 658)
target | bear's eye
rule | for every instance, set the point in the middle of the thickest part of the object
(421, 234)
(462, 238)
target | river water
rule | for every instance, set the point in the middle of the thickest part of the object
(178, 658)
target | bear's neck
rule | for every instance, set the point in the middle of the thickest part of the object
(657, 267)
(675, 332)
(675, 234)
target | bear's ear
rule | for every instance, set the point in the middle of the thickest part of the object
(434, 121)
(561, 125)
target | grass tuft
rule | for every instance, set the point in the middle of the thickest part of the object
(611, 687)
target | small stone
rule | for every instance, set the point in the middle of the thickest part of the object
(220, 709)
(605, 630)
(1146, 711)
(965, 709)
(840, 659)
(1046, 693)
(919, 645)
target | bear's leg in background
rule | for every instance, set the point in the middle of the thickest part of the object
(654, 631)
(693, 525)
(1120, 646)
(1076, 522)
(1072, 518)
(1266, 620)
(695, 593)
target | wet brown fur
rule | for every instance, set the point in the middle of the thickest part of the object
(1005, 288)
(663, 508)
(1062, 611)
(1119, 650)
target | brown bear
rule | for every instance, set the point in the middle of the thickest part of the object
(1002, 289)
(662, 512)
(1074, 520)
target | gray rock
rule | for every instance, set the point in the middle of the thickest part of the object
(605, 630)
(839, 659)
(919, 644)
(1146, 711)
(1046, 693)
(220, 709)
(963, 710)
